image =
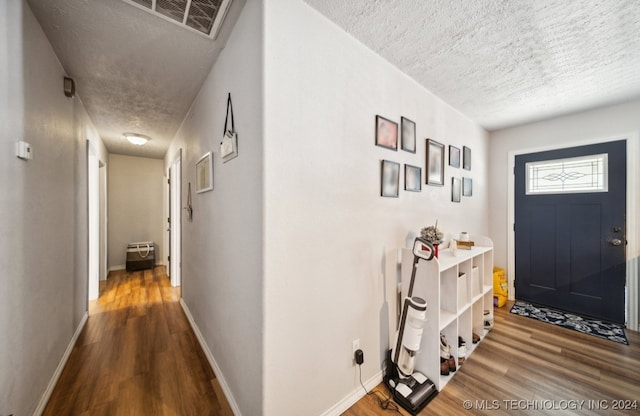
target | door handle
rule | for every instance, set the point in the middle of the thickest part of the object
(615, 242)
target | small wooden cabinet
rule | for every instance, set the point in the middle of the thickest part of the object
(458, 290)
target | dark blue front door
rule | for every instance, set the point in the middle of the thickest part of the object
(570, 246)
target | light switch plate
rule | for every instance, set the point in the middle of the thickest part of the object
(23, 150)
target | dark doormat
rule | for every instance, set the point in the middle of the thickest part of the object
(606, 330)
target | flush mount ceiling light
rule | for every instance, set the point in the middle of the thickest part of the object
(137, 139)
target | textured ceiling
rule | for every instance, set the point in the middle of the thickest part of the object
(501, 63)
(504, 62)
(134, 72)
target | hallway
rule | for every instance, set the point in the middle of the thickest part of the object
(137, 355)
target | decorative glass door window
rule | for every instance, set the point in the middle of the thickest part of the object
(573, 175)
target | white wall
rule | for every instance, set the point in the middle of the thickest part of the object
(135, 206)
(326, 226)
(222, 248)
(43, 212)
(617, 121)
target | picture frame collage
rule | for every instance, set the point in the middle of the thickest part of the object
(460, 186)
(386, 136)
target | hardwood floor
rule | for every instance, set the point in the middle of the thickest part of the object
(523, 363)
(137, 355)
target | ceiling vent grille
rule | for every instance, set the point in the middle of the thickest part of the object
(202, 16)
(173, 9)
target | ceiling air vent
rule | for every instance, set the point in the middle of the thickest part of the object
(202, 16)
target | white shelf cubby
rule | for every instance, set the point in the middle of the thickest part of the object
(458, 289)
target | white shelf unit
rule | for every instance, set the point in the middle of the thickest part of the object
(458, 289)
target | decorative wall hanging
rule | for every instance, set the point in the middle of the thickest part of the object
(204, 174)
(390, 179)
(455, 189)
(466, 158)
(386, 133)
(435, 163)
(408, 129)
(467, 186)
(229, 143)
(188, 207)
(454, 157)
(412, 178)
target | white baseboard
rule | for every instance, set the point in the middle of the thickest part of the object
(56, 374)
(123, 267)
(354, 396)
(212, 361)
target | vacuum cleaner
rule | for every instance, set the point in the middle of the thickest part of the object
(411, 389)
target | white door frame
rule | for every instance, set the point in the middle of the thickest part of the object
(633, 217)
(176, 220)
(93, 185)
(104, 269)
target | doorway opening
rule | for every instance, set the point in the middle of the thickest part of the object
(97, 230)
(175, 221)
(632, 140)
(570, 231)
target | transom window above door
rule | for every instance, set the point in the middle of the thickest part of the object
(572, 175)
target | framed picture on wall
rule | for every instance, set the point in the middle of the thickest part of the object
(412, 178)
(467, 186)
(204, 173)
(466, 158)
(390, 179)
(408, 129)
(435, 163)
(454, 157)
(386, 133)
(455, 189)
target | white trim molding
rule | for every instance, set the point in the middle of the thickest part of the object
(633, 217)
(633, 229)
(212, 361)
(123, 267)
(354, 396)
(117, 267)
(56, 374)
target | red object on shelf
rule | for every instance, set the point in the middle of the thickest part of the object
(435, 249)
